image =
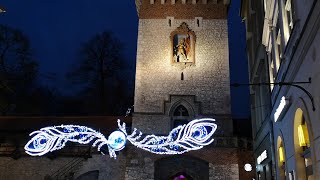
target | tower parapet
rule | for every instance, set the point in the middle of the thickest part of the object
(184, 9)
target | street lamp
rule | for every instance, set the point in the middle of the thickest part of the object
(2, 10)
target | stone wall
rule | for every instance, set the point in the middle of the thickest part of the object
(157, 78)
(223, 172)
(140, 169)
(211, 163)
(109, 168)
(35, 168)
(152, 123)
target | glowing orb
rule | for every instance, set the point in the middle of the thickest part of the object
(248, 167)
(117, 140)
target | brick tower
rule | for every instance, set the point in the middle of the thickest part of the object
(195, 83)
(182, 73)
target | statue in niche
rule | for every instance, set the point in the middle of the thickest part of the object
(182, 49)
(182, 45)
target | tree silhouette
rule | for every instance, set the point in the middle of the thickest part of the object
(98, 73)
(18, 71)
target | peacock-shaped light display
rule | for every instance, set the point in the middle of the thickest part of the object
(192, 136)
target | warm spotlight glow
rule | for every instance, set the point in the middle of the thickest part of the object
(303, 135)
(283, 104)
(281, 154)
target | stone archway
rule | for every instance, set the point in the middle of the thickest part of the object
(188, 167)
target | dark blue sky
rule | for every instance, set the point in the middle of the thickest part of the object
(238, 62)
(57, 29)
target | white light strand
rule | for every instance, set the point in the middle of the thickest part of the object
(53, 138)
(192, 136)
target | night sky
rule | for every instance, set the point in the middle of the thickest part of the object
(56, 30)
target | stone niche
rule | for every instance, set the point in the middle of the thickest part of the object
(182, 45)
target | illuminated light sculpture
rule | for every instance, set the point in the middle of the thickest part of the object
(184, 138)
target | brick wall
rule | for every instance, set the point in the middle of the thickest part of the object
(182, 11)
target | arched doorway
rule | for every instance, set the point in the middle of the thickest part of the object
(90, 175)
(181, 166)
(181, 176)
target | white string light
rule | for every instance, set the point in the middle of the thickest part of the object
(192, 136)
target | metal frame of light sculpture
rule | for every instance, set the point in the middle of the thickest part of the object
(192, 136)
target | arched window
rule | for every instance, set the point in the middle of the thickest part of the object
(289, 12)
(180, 116)
(287, 17)
(302, 146)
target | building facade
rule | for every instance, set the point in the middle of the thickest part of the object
(289, 33)
(252, 13)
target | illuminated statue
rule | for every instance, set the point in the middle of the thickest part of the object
(183, 49)
(191, 136)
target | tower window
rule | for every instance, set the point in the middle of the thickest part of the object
(180, 116)
(198, 22)
(170, 21)
(181, 111)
